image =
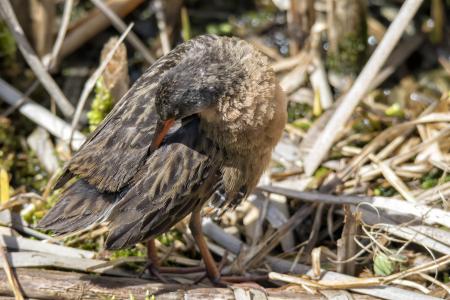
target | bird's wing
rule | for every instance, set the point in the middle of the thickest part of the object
(178, 176)
(111, 156)
(80, 206)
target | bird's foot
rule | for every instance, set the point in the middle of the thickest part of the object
(152, 270)
(227, 281)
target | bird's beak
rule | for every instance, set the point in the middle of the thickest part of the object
(162, 127)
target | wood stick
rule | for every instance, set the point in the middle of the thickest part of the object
(345, 110)
(95, 22)
(262, 249)
(428, 215)
(31, 259)
(24, 244)
(40, 115)
(42, 15)
(158, 5)
(90, 83)
(50, 61)
(11, 277)
(57, 285)
(33, 60)
(121, 26)
(115, 75)
(234, 245)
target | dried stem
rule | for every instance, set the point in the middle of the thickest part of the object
(33, 60)
(360, 87)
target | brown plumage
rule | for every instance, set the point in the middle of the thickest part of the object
(230, 113)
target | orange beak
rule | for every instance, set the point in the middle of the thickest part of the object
(162, 127)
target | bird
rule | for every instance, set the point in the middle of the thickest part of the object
(197, 127)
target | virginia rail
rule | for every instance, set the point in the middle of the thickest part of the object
(199, 125)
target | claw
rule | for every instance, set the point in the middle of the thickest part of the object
(153, 271)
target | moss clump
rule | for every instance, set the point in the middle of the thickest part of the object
(298, 111)
(134, 251)
(365, 124)
(101, 105)
(168, 238)
(433, 178)
(302, 124)
(21, 164)
(220, 29)
(387, 191)
(351, 54)
(7, 46)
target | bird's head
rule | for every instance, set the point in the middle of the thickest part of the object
(226, 82)
(191, 87)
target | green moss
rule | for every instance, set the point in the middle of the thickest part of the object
(127, 253)
(302, 124)
(23, 166)
(101, 105)
(298, 111)
(220, 29)
(169, 237)
(446, 278)
(7, 46)
(433, 178)
(351, 54)
(384, 191)
(249, 22)
(395, 110)
(366, 125)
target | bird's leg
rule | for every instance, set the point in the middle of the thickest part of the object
(153, 261)
(196, 229)
(152, 254)
(155, 269)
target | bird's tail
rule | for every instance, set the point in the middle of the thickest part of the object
(81, 206)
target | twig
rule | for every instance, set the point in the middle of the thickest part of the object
(399, 55)
(42, 22)
(90, 83)
(38, 259)
(360, 87)
(260, 251)
(287, 63)
(234, 245)
(436, 282)
(296, 77)
(121, 26)
(401, 129)
(393, 179)
(93, 23)
(33, 60)
(24, 244)
(162, 26)
(427, 214)
(22, 100)
(320, 84)
(10, 274)
(346, 246)
(115, 76)
(49, 61)
(314, 234)
(41, 115)
(346, 284)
